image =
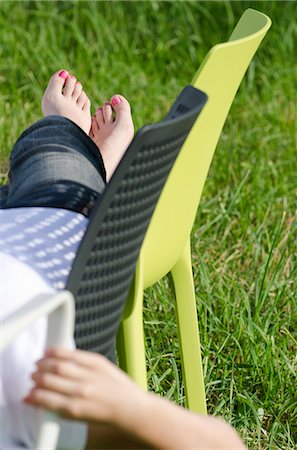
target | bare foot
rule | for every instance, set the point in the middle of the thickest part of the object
(64, 96)
(112, 135)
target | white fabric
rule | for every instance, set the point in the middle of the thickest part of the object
(19, 422)
(44, 238)
(19, 283)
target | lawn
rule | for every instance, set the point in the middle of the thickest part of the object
(244, 237)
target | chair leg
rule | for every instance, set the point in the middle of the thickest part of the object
(130, 344)
(186, 312)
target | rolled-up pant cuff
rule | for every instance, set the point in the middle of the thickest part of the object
(54, 163)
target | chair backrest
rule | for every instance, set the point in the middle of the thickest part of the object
(104, 266)
(219, 77)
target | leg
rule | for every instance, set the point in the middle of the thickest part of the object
(54, 163)
(110, 132)
(3, 195)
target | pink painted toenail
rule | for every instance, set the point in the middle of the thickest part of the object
(77, 82)
(116, 100)
(63, 74)
(107, 103)
(72, 76)
(100, 109)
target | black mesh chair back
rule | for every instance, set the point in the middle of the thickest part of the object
(104, 266)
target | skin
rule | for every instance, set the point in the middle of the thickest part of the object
(112, 131)
(111, 128)
(64, 96)
(86, 386)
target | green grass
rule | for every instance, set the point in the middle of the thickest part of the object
(244, 237)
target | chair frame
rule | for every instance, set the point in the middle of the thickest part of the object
(219, 76)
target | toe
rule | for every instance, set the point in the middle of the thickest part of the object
(61, 74)
(121, 107)
(87, 105)
(53, 91)
(77, 90)
(123, 117)
(95, 127)
(57, 81)
(69, 86)
(99, 117)
(81, 99)
(107, 113)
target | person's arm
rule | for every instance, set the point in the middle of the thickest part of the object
(85, 386)
(167, 426)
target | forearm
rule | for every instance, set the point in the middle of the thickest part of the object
(121, 415)
(166, 426)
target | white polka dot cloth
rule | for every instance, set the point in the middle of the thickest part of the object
(37, 249)
(46, 239)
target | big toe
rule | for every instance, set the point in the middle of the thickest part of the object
(121, 107)
(58, 79)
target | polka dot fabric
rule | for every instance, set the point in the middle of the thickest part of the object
(46, 239)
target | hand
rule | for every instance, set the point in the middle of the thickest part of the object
(85, 386)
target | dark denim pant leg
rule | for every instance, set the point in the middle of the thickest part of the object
(3, 195)
(54, 163)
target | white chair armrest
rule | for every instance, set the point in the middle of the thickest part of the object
(60, 309)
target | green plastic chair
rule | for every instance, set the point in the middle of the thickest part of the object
(166, 247)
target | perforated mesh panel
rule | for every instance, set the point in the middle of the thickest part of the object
(103, 270)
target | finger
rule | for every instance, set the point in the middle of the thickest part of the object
(63, 405)
(59, 352)
(56, 383)
(69, 370)
(80, 357)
